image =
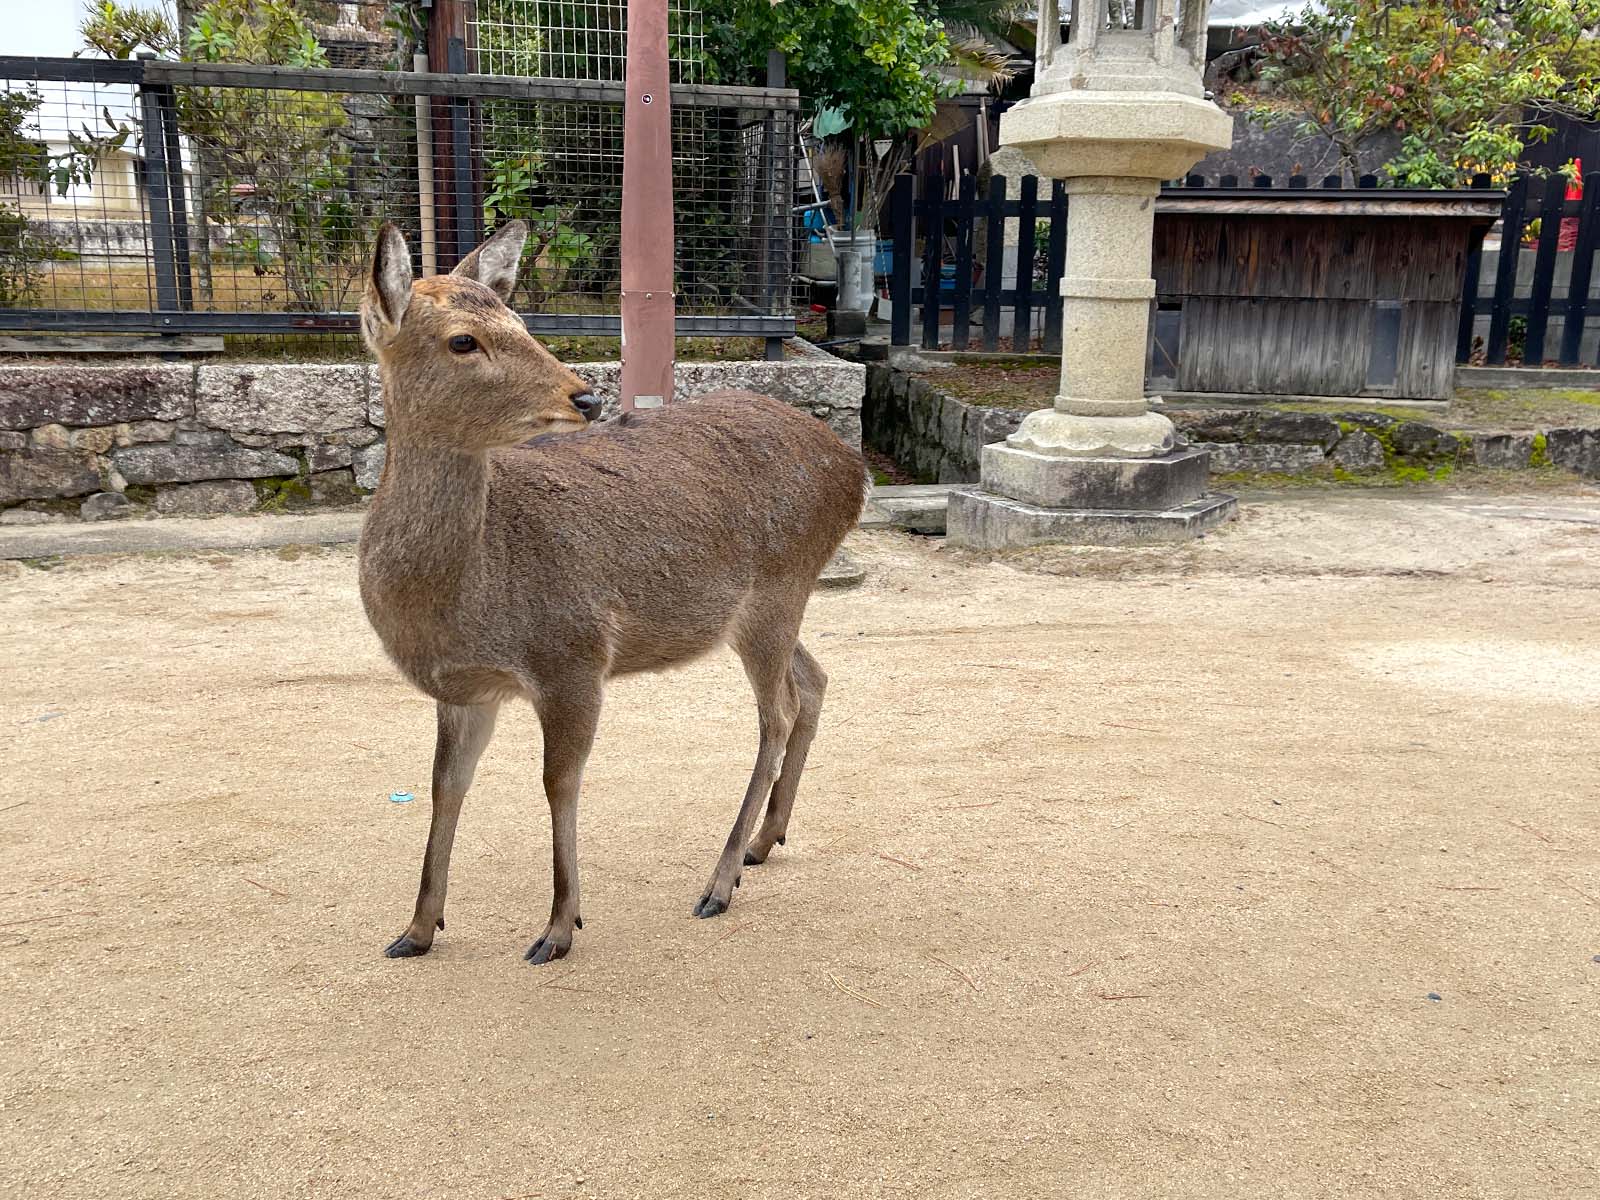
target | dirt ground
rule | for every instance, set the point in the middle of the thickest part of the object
(1264, 867)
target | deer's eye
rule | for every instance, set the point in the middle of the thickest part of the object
(463, 343)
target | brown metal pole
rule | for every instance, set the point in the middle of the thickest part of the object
(648, 308)
(447, 21)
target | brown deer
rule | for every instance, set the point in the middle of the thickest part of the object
(495, 567)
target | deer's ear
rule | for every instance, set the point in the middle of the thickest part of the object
(494, 264)
(388, 287)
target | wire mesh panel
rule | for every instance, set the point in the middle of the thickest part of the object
(578, 39)
(212, 198)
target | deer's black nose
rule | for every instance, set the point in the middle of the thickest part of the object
(588, 405)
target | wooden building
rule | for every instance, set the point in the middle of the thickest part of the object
(1312, 292)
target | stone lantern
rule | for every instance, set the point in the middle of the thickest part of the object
(1116, 109)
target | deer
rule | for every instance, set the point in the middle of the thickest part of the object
(515, 548)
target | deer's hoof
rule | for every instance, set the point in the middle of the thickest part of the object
(752, 859)
(548, 949)
(710, 906)
(404, 947)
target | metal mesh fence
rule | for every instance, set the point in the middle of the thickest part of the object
(578, 39)
(244, 199)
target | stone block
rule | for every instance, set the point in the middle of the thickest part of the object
(1048, 481)
(1575, 450)
(41, 394)
(375, 414)
(1294, 427)
(1502, 451)
(173, 463)
(1358, 451)
(1262, 457)
(26, 516)
(333, 487)
(52, 437)
(97, 440)
(324, 457)
(281, 398)
(952, 421)
(12, 440)
(106, 506)
(917, 507)
(368, 462)
(134, 432)
(985, 521)
(44, 474)
(1413, 439)
(361, 435)
(201, 499)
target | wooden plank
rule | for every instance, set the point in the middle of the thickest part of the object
(961, 330)
(1426, 363)
(932, 256)
(903, 229)
(1582, 267)
(994, 263)
(1022, 315)
(1056, 254)
(1505, 278)
(1544, 268)
(1297, 347)
(1482, 206)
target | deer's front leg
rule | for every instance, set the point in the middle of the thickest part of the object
(569, 721)
(463, 732)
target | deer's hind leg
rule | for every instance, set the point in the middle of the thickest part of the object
(767, 648)
(807, 683)
(463, 732)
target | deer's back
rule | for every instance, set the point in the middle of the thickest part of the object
(647, 536)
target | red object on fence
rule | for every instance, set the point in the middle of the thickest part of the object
(1568, 239)
(648, 307)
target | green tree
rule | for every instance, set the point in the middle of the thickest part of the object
(1466, 84)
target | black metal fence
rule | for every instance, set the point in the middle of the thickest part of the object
(197, 198)
(1530, 299)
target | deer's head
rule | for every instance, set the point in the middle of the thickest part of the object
(461, 368)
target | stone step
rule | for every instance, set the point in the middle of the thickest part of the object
(917, 507)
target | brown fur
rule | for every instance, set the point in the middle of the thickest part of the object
(492, 569)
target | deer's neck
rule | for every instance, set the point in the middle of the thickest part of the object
(425, 527)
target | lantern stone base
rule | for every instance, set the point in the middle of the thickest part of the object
(987, 521)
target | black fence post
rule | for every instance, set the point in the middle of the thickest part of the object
(158, 196)
(1022, 314)
(961, 327)
(932, 255)
(177, 193)
(903, 229)
(1551, 207)
(1582, 266)
(1505, 276)
(1333, 182)
(775, 224)
(468, 211)
(994, 262)
(1056, 252)
(1466, 329)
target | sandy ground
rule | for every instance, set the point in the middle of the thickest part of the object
(1116, 874)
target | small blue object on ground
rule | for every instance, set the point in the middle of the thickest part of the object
(1435, 996)
(401, 797)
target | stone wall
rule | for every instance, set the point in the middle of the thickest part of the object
(939, 439)
(108, 440)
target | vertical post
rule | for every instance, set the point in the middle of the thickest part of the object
(1057, 252)
(1505, 276)
(961, 320)
(1582, 265)
(158, 196)
(994, 260)
(648, 305)
(903, 229)
(172, 154)
(468, 212)
(774, 228)
(1022, 314)
(932, 255)
(430, 234)
(1551, 207)
(447, 23)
